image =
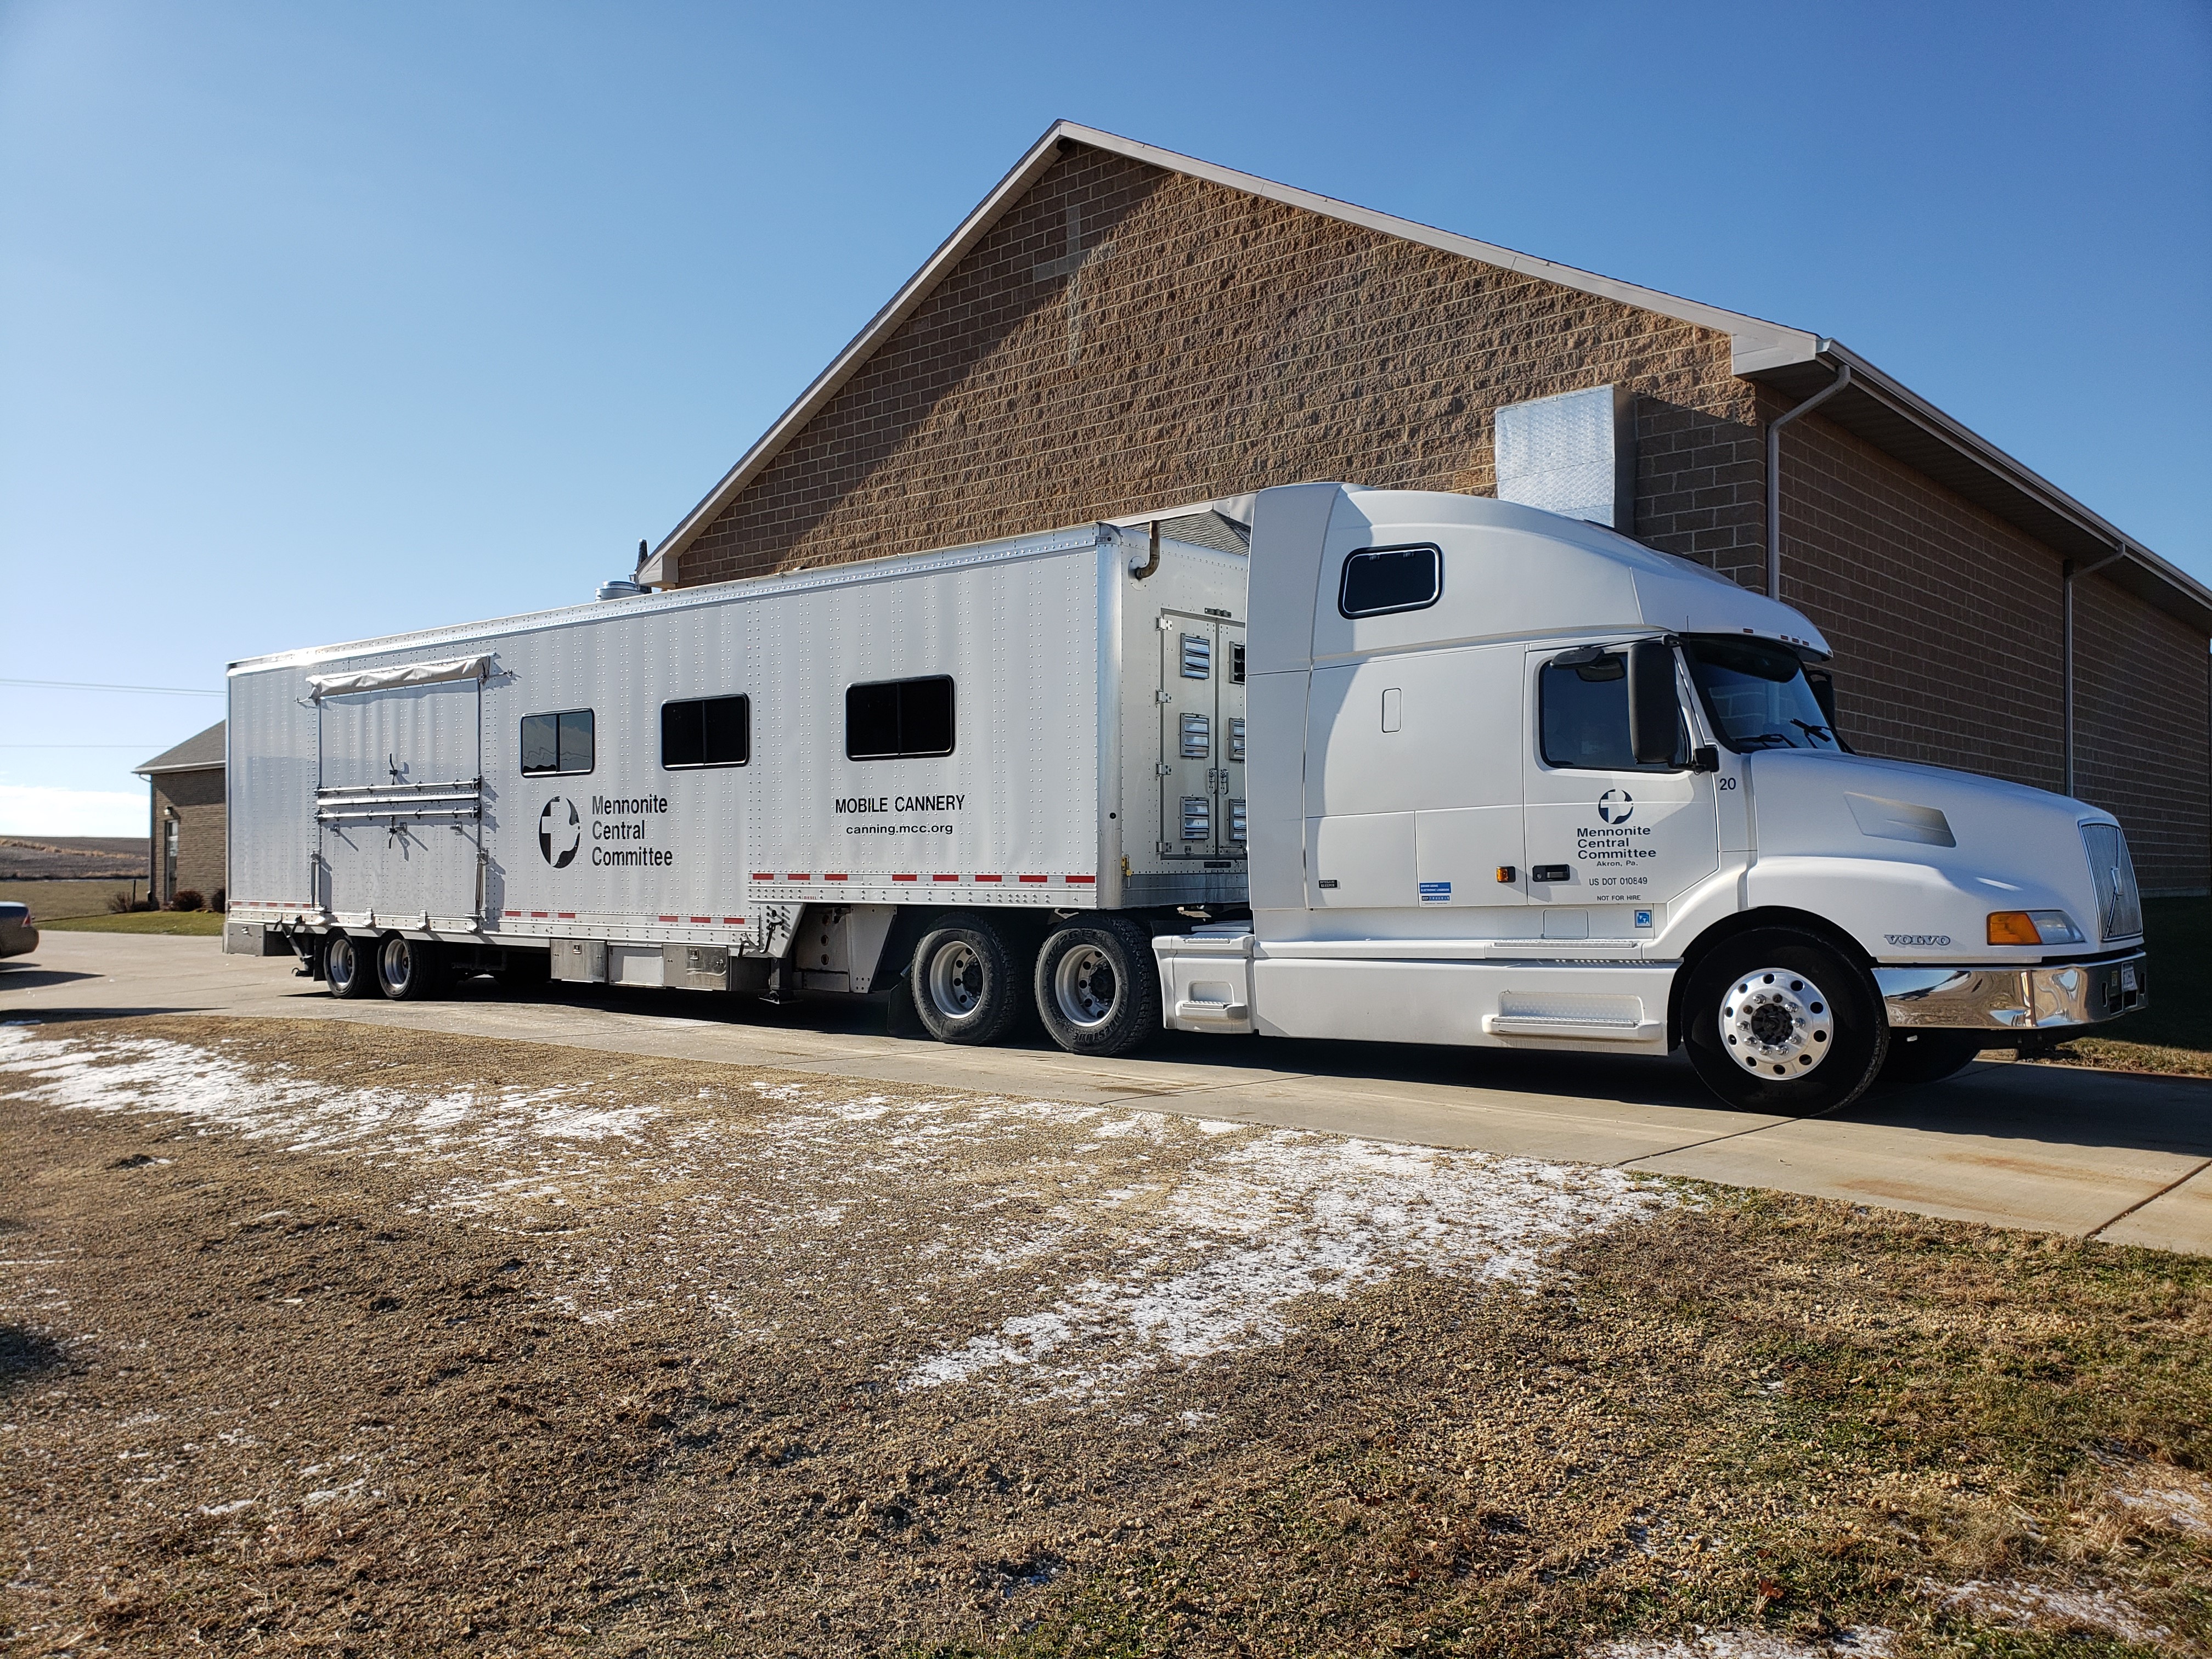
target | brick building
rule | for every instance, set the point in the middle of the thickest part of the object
(189, 821)
(1117, 330)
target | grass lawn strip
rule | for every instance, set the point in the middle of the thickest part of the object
(379, 1338)
(192, 924)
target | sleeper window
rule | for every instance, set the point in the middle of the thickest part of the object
(897, 719)
(1380, 581)
(556, 742)
(1584, 717)
(705, 731)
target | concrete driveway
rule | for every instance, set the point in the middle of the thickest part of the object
(2042, 1147)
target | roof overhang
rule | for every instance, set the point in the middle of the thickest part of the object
(1899, 422)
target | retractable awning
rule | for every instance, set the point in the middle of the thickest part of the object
(385, 680)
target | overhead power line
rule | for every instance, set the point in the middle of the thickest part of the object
(84, 685)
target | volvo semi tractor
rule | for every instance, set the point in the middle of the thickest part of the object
(1408, 767)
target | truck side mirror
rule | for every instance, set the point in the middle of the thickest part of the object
(1655, 711)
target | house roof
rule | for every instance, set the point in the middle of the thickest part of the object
(1795, 361)
(195, 754)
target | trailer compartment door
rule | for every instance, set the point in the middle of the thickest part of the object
(1201, 768)
(399, 805)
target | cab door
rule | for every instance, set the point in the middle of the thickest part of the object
(1610, 843)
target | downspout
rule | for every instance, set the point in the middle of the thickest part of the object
(2066, 649)
(1774, 475)
(1138, 572)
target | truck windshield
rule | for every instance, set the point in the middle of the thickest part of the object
(1757, 693)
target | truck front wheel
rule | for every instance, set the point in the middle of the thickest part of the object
(345, 967)
(1097, 988)
(1776, 1020)
(967, 985)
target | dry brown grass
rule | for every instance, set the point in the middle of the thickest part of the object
(1743, 1410)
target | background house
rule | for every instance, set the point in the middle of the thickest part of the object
(1117, 330)
(188, 819)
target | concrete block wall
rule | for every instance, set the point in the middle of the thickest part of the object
(1947, 626)
(1216, 343)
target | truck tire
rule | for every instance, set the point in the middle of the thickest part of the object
(1918, 1057)
(407, 968)
(1097, 989)
(346, 970)
(1778, 1020)
(967, 985)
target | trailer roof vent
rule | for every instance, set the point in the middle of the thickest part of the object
(622, 588)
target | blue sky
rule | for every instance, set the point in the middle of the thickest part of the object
(318, 322)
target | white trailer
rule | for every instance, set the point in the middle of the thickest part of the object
(1515, 780)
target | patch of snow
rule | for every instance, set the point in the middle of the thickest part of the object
(1871, 1641)
(2024, 1606)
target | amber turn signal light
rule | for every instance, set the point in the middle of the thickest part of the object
(1505, 873)
(2012, 927)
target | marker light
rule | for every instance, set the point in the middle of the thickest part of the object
(2033, 927)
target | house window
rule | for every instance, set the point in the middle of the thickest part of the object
(707, 731)
(897, 719)
(1380, 581)
(556, 742)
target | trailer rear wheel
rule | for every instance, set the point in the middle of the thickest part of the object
(408, 970)
(967, 987)
(1776, 1020)
(1097, 989)
(345, 967)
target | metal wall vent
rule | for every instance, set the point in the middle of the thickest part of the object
(1236, 738)
(1197, 657)
(1197, 737)
(1197, 817)
(1573, 454)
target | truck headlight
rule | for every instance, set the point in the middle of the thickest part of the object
(2033, 927)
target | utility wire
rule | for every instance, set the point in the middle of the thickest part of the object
(81, 685)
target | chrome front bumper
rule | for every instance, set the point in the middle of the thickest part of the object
(2015, 998)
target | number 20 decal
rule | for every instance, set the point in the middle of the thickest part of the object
(1727, 783)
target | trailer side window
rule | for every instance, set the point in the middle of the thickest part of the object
(707, 731)
(1379, 581)
(556, 742)
(1583, 718)
(896, 719)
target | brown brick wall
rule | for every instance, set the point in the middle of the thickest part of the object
(2142, 736)
(1947, 628)
(202, 820)
(1226, 342)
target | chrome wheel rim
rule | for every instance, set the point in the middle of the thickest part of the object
(1084, 988)
(1777, 1024)
(955, 979)
(399, 962)
(341, 962)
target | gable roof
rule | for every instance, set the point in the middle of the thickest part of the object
(1794, 361)
(195, 754)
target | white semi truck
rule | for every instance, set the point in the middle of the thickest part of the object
(1414, 768)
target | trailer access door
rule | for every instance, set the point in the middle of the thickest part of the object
(399, 796)
(1201, 770)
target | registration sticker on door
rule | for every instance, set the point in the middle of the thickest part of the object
(1436, 892)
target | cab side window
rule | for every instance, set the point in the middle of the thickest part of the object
(1583, 719)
